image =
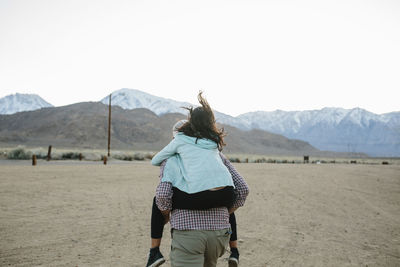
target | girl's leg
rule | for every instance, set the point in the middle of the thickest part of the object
(233, 240)
(157, 225)
(234, 257)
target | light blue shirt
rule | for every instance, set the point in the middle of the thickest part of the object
(193, 164)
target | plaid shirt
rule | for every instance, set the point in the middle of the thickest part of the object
(211, 219)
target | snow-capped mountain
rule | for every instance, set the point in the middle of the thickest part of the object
(21, 102)
(335, 129)
(292, 122)
(132, 98)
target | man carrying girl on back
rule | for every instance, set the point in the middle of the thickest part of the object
(200, 189)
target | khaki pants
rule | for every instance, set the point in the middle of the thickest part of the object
(198, 248)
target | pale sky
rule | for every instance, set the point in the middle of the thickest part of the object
(246, 55)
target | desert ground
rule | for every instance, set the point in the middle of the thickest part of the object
(71, 213)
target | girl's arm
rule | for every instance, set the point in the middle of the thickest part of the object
(165, 153)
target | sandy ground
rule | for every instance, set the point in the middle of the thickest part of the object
(88, 214)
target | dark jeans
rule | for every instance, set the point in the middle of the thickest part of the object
(198, 201)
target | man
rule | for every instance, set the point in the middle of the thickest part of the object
(199, 237)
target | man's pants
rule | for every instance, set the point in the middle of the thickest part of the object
(198, 248)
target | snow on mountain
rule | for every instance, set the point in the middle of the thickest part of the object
(132, 98)
(335, 129)
(293, 121)
(21, 102)
(392, 119)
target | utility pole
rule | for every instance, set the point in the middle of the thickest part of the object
(109, 126)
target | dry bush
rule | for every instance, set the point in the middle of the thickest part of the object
(19, 153)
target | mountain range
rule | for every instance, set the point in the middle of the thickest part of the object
(84, 125)
(333, 129)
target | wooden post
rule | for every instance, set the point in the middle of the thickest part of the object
(34, 160)
(105, 160)
(49, 154)
(80, 156)
(109, 125)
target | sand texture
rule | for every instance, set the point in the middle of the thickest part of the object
(88, 214)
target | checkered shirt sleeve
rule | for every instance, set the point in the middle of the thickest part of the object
(241, 188)
(164, 192)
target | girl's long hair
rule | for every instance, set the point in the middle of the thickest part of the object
(201, 123)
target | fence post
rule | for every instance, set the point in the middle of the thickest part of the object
(105, 160)
(34, 160)
(49, 154)
(109, 126)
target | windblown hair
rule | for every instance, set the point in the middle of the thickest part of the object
(201, 123)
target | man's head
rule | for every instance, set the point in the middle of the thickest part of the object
(176, 127)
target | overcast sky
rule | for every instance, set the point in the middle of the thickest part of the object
(246, 55)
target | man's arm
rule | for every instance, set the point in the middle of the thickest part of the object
(241, 187)
(164, 194)
(164, 199)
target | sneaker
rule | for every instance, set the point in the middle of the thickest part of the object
(155, 258)
(233, 260)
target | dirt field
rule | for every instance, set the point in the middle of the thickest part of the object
(88, 214)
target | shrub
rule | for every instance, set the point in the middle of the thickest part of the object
(70, 155)
(123, 157)
(135, 156)
(138, 156)
(41, 156)
(127, 157)
(19, 153)
(237, 160)
(149, 156)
